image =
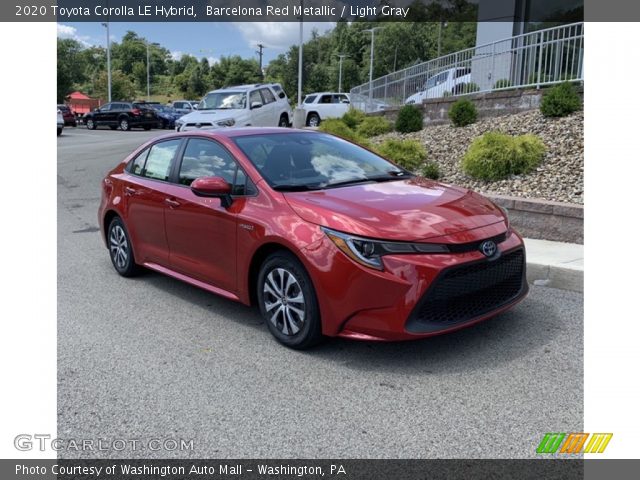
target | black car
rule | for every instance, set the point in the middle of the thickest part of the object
(123, 115)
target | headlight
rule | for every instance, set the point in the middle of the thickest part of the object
(505, 212)
(369, 252)
(230, 122)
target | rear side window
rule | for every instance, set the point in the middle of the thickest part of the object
(310, 99)
(326, 99)
(137, 164)
(461, 72)
(158, 164)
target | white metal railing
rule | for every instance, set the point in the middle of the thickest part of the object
(535, 59)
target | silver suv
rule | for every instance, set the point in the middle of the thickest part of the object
(259, 105)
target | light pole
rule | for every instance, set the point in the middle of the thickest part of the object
(299, 119)
(373, 34)
(148, 74)
(106, 25)
(341, 56)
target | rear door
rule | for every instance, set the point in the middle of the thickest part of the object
(200, 231)
(270, 107)
(145, 192)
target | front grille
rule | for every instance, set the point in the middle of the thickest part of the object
(462, 293)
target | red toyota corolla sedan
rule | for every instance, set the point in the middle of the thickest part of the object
(328, 238)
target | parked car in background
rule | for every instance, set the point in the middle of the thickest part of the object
(259, 105)
(321, 105)
(184, 106)
(123, 115)
(167, 115)
(68, 116)
(326, 237)
(60, 122)
(451, 81)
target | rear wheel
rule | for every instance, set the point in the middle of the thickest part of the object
(124, 124)
(313, 120)
(120, 249)
(288, 302)
(91, 125)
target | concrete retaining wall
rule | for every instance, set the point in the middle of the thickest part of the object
(505, 102)
(560, 222)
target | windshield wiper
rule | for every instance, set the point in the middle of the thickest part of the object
(284, 187)
(392, 175)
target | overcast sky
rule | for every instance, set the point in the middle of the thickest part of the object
(211, 40)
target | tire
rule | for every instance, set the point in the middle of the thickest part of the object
(59, 131)
(284, 121)
(146, 127)
(313, 120)
(120, 250)
(124, 124)
(91, 125)
(284, 287)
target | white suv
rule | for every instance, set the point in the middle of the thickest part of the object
(451, 81)
(261, 105)
(321, 105)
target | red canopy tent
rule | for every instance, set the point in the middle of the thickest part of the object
(79, 103)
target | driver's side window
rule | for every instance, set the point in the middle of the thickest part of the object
(255, 97)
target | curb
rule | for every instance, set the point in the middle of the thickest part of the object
(554, 276)
(555, 264)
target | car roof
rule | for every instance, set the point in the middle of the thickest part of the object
(236, 132)
(327, 93)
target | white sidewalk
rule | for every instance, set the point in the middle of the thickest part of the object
(555, 264)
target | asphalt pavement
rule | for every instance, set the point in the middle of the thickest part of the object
(154, 358)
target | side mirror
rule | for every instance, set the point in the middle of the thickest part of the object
(215, 187)
(255, 105)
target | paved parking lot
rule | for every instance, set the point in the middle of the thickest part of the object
(153, 358)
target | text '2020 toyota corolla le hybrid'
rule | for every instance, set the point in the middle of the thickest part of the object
(328, 238)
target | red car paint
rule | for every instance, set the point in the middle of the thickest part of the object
(200, 241)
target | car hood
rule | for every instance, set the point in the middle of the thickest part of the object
(404, 210)
(210, 115)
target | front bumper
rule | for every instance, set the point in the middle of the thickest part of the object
(417, 295)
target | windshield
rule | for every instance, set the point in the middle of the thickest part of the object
(223, 101)
(310, 161)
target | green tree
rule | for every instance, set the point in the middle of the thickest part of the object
(122, 88)
(71, 65)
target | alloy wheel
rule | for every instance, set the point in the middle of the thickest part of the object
(284, 301)
(119, 247)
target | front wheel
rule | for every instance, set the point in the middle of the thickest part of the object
(120, 249)
(91, 125)
(288, 302)
(284, 121)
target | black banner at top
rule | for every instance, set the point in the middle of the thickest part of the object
(553, 11)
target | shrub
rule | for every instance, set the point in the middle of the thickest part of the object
(495, 156)
(372, 126)
(560, 101)
(463, 112)
(502, 83)
(409, 119)
(406, 153)
(353, 118)
(430, 170)
(337, 127)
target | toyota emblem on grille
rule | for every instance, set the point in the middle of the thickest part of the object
(488, 248)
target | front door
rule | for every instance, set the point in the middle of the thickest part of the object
(200, 231)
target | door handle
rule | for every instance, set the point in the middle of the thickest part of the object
(128, 191)
(172, 203)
